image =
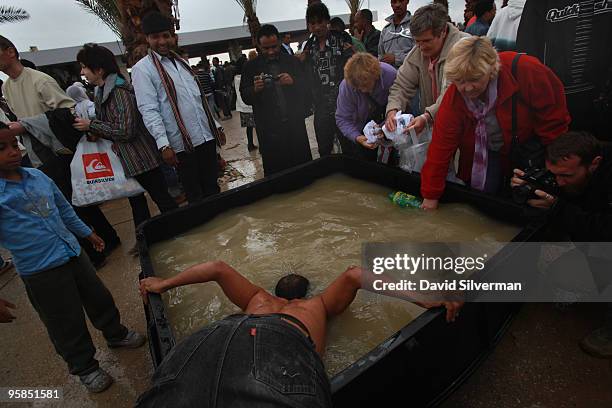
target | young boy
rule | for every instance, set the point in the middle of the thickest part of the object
(325, 55)
(37, 226)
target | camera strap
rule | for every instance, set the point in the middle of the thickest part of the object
(515, 140)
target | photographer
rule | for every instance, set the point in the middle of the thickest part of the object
(273, 84)
(581, 209)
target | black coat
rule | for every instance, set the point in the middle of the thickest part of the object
(588, 216)
(279, 113)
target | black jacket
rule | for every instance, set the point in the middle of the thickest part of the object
(588, 216)
(572, 37)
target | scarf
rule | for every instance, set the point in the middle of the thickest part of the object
(168, 85)
(481, 152)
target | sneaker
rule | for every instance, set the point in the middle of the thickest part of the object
(131, 340)
(598, 344)
(96, 381)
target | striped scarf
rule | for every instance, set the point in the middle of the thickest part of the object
(481, 152)
(168, 85)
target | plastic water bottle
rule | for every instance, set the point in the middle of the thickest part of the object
(405, 200)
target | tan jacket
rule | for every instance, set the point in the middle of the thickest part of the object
(413, 75)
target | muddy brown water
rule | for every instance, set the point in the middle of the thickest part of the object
(316, 232)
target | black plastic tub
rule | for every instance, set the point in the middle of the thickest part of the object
(423, 362)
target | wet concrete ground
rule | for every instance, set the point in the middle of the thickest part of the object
(537, 364)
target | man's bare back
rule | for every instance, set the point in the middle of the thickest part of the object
(313, 313)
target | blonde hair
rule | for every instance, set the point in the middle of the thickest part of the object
(471, 58)
(362, 68)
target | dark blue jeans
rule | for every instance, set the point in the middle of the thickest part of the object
(241, 361)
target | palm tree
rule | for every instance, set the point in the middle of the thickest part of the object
(105, 10)
(250, 17)
(10, 14)
(354, 7)
(123, 17)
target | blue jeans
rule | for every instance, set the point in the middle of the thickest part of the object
(241, 361)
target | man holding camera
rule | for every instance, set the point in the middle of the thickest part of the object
(273, 84)
(581, 208)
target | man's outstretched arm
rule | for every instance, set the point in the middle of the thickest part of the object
(342, 291)
(238, 289)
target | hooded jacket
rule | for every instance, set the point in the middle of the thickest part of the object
(119, 120)
(413, 76)
(505, 26)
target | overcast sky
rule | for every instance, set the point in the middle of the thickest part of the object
(62, 23)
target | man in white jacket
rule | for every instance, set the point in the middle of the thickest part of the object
(505, 26)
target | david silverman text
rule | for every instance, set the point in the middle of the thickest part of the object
(464, 284)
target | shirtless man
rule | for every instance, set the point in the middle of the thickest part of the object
(269, 356)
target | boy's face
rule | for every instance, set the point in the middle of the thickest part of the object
(319, 28)
(10, 155)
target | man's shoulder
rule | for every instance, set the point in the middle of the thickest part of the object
(142, 65)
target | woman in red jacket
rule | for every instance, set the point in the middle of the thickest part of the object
(475, 116)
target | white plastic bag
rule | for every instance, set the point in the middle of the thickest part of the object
(401, 120)
(413, 153)
(97, 174)
(371, 132)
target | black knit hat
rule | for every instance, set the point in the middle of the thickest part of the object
(155, 22)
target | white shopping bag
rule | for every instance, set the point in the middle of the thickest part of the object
(97, 174)
(413, 153)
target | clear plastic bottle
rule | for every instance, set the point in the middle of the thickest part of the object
(404, 200)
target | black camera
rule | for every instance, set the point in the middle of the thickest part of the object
(537, 179)
(268, 79)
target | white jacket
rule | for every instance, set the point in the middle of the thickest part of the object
(505, 26)
(240, 105)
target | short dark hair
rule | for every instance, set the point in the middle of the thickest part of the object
(317, 12)
(5, 44)
(367, 14)
(482, 7)
(291, 287)
(95, 57)
(267, 30)
(581, 144)
(337, 23)
(432, 17)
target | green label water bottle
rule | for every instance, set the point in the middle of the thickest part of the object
(404, 200)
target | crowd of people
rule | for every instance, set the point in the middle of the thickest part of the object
(504, 113)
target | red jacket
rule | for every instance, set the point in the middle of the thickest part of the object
(541, 111)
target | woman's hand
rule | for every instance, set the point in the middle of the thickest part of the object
(429, 204)
(391, 123)
(362, 140)
(418, 124)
